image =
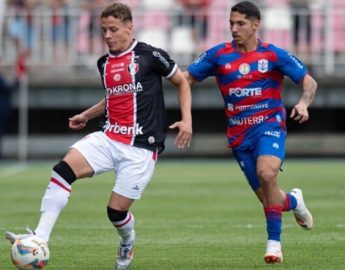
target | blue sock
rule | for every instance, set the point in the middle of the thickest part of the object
(274, 221)
(290, 203)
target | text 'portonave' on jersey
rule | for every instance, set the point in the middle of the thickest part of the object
(251, 85)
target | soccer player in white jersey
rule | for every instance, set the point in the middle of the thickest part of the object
(134, 130)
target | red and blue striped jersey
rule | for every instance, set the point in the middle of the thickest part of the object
(250, 83)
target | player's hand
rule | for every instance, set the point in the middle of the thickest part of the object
(184, 136)
(300, 113)
(77, 122)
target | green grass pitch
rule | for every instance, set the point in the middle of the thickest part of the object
(194, 215)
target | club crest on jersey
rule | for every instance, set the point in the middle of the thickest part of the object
(263, 65)
(133, 68)
(244, 68)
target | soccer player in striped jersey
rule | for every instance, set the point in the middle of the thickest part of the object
(249, 74)
(134, 131)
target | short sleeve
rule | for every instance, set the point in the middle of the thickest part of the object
(291, 66)
(163, 64)
(204, 66)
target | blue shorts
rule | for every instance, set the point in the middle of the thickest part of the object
(266, 141)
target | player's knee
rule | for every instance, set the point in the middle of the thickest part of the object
(266, 176)
(116, 215)
(65, 171)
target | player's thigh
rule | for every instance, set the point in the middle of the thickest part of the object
(78, 164)
(134, 171)
(247, 162)
(95, 149)
(267, 168)
(270, 152)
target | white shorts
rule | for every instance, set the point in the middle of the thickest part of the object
(133, 166)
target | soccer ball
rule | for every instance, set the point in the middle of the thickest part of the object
(30, 252)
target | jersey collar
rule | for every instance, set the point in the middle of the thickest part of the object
(233, 45)
(130, 48)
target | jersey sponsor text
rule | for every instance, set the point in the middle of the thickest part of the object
(298, 64)
(273, 133)
(125, 130)
(232, 108)
(161, 58)
(245, 92)
(236, 121)
(127, 88)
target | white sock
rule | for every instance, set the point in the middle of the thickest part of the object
(46, 225)
(125, 228)
(54, 200)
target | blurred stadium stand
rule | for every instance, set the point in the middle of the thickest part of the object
(64, 42)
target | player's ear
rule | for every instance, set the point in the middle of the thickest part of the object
(256, 24)
(130, 26)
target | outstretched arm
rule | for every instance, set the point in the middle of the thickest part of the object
(184, 135)
(79, 121)
(189, 78)
(300, 110)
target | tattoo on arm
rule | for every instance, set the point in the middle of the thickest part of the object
(309, 89)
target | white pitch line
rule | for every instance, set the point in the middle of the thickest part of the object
(13, 170)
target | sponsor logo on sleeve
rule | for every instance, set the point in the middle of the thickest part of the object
(199, 59)
(161, 58)
(294, 59)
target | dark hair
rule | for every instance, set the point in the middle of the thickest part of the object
(118, 11)
(248, 8)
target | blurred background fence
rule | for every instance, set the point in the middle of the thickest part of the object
(62, 42)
